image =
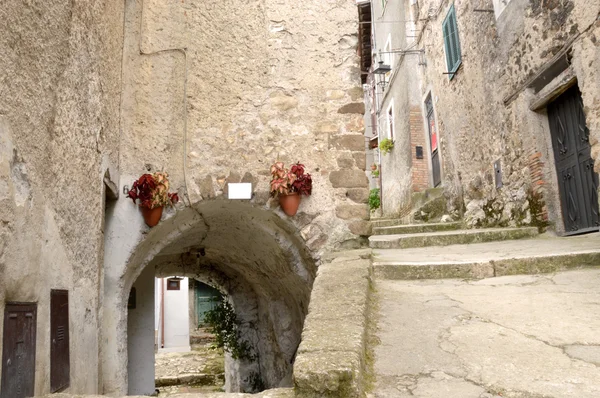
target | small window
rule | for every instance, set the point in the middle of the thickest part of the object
(451, 42)
(173, 284)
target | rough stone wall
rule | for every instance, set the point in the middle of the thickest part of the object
(60, 81)
(483, 112)
(263, 80)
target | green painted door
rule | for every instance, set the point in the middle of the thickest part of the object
(207, 298)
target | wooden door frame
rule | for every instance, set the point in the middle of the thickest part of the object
(429, 93)
(553, 94)
(33, 307)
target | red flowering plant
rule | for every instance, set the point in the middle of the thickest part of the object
(285, 182)
(153, 191)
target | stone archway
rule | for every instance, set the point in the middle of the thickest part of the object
(248, 252)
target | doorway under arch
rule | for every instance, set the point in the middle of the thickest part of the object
(252, 255)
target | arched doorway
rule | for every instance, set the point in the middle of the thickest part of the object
(250, 254)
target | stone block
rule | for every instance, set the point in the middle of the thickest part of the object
(335, 94)
(207, 189)
(327, 127)
(358, 195)
(352, 142)
(362, 228)
(345, 163)
(356, 93)
(360, 158)
(248, 177)
(233, 178)
(283, 102)
(348, 212)
(353, 107)
(327, 374)
(348, 179)
(356, 124)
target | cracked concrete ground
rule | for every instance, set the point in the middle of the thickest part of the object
(525, 336)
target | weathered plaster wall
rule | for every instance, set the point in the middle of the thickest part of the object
(140, 335)
(177, 321)
(60, 79)
(484, 112)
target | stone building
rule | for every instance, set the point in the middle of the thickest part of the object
(94, 94)
(501, 99)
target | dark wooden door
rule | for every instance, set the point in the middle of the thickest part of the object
(18, 350)
(433, 143)
(59, 340)
(577, 181)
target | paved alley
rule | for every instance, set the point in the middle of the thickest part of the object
(523, 336)
(198, 371)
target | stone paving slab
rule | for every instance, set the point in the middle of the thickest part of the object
(200, 366)
(445, 238)
(542, 254)
(525, 336)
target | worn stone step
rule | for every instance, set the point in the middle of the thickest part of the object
(543, 254)
(388, 222)
(446, 238)
(417, 228)
(420, 198)
(197, 379)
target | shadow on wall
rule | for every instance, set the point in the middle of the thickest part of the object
(252, 256)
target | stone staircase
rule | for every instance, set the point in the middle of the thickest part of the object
(395, 234)
(451, 237)
(445, 250)
(404, 248)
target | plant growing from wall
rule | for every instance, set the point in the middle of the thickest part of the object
(374, 200)
(223, 323)
(386, 145)
(294, 180)
(288, 185)
(152, 190)
(374, 170)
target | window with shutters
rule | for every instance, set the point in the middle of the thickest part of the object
(59, 340)
(451, 42)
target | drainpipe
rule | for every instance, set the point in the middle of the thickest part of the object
(162, 312)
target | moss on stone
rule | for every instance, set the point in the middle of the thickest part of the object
(373, 306)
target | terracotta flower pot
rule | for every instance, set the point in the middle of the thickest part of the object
(152, 216)
(289, 203)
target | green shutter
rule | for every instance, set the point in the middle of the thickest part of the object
(451, 42)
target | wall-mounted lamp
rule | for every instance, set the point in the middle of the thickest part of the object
(382, 69)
